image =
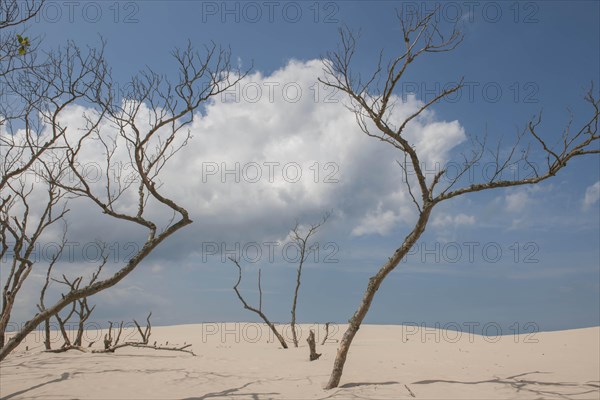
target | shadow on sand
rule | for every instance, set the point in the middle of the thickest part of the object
(561, 390)
(233, 392)
(63, 377)
(354, 384)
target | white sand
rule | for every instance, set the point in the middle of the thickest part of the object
(382, 364)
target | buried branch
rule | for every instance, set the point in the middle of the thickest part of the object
(111, 347)
(112, 342)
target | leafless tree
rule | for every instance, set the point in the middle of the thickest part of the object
(20, 231)
(372, 100)
(301, 240)
(255, 310)
(33, 94)
(37, 96)
(300, 236)
(151, 121)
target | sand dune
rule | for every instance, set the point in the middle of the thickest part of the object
(241, 361)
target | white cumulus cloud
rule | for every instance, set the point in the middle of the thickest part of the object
(274, 149)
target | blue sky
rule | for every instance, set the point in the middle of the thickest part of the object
(517, 58)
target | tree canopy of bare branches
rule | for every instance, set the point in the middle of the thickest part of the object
(14, 14)
(373, 100)
(150, 120)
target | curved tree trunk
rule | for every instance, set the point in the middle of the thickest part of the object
(374, 284)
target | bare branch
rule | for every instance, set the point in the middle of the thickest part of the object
(420, 36)
(146, 333)
(585, 142)
(255, 310)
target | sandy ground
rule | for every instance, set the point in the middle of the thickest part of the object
(241, 361)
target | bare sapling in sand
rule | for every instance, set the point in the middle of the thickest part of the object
(301, 238)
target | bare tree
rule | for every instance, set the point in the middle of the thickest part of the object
(20, 226)
(255, 310)
(151, 121)
(302, 242)
(34, 94)
(372, 105)
(37, 96)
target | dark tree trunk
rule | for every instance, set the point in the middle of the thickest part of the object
(47, 333)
